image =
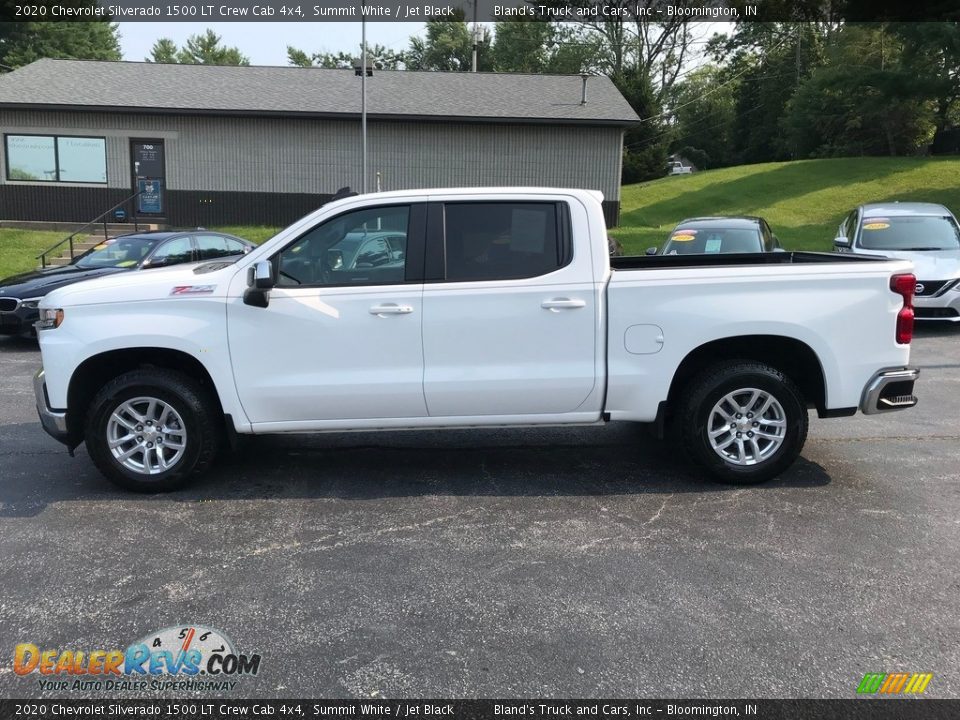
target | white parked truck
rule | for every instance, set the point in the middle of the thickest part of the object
(470, 308)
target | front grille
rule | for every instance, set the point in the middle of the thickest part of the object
(935, 313)
(931, 287)
(8, 304)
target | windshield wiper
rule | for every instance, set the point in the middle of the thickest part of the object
(919, 249)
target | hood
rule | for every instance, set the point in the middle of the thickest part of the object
(928, 264)
(156, 284)
(39, 282)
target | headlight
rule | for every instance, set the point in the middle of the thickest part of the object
(31, 303)
(50, 318)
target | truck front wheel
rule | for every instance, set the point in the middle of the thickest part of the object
(149, 430)
(744, 422)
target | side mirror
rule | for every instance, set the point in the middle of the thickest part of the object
(651, 251)
(260, 281)
(841, 242)
(263, 275)
(334, 259)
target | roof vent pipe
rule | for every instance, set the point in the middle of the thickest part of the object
(583, 90)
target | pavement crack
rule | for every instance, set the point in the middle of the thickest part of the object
(656, 515)
(348, 539)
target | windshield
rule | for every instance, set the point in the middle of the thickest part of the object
(920, 232)
(122, 252)
(715, 240)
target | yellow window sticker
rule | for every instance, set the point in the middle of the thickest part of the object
(876, 224)
(127, 263)
(682, 238)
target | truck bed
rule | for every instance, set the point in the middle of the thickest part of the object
(653, 262)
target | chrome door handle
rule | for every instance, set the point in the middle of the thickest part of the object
(557, 304)
(391, 309)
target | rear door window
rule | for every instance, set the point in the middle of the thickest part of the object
(173, 252)
(502, 240)
(212, 247)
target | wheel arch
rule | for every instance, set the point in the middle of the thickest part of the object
(94, 372)
(790, 356)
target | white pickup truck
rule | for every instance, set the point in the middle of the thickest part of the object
(469, 308)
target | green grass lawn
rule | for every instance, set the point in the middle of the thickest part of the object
(803, 201)
(19, 248)
(254, 233)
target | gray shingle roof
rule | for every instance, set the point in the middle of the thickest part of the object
(311, 91)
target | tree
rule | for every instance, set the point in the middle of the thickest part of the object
(164, 50)
(22, 43)
(645, 145)
(656, 50)
(520, 45)
(703, 109)
(199, 50)
(644, 59)
(931, 57)
(448, 47)
(862, 101)
(534, 45)
(766, 63)
(381, 57)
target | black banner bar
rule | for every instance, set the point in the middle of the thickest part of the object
(486, 11)
(215, 709)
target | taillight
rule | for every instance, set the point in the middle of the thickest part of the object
(904, 285)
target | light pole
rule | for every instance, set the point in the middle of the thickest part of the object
(363, 99)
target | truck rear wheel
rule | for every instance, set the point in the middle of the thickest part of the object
(149, 430)
(744, 422)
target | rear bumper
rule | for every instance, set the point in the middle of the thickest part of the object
(53, 421)
(890, 390)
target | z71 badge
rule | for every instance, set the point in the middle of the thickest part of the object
(193, 289)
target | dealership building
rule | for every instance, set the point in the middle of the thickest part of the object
(216, 145)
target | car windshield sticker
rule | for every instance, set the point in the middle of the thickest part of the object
(712, 245)
(193, 289)
(876, 224)
(127, 263)
(684, 236)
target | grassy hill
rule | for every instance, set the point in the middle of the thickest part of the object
(803, 201)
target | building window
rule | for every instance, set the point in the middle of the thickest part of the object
(49, 158)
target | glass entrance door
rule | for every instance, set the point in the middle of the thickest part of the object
(149, 172)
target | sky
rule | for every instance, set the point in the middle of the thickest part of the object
(265, 43)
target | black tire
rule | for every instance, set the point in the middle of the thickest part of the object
(200, 421)
(697, 405)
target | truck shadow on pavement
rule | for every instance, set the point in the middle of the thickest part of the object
(602, 461)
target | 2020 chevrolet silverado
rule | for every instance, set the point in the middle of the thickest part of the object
(466, 308)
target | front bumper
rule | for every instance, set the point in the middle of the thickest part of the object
(53, 421)
(889, 390)
(19, 322)
(942, 304)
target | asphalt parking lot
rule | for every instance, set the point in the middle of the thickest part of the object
(547, 563)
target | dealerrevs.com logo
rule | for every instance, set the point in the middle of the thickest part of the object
(184, 657)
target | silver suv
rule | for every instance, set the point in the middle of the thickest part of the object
(924, 233)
